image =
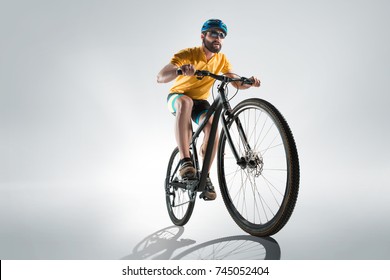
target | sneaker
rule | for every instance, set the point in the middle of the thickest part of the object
(209, 192)
(187, 169)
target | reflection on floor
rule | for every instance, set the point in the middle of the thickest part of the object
(164, 244)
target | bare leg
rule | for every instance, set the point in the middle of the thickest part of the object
(183, 129)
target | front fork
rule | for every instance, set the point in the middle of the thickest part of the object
(241, 161)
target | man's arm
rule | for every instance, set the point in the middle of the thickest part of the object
(238, 85)
(167, 74)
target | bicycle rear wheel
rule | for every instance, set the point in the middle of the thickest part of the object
(260, 194)
(178, 200)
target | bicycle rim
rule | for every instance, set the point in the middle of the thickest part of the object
(179, 204)
(261, 196)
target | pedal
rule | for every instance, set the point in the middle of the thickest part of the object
(205, 198)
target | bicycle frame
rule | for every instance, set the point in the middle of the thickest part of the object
(218, 108)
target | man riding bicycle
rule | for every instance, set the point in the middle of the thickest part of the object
(188, 97)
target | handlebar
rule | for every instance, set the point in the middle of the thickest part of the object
(204, 73)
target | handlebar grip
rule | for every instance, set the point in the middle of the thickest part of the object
(247, 81)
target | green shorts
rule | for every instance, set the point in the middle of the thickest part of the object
(200, 106)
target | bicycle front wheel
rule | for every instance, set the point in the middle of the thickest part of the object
(179, 203)
(260, 192)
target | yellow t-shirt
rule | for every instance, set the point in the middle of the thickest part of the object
(190, 85)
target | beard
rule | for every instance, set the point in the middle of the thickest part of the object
(211, 46)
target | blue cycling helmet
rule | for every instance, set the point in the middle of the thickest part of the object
(214, 23)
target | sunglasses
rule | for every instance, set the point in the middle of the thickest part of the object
(215, 34)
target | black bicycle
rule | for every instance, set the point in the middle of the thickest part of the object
(257, 161)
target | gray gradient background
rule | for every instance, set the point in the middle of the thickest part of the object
(81, 118)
